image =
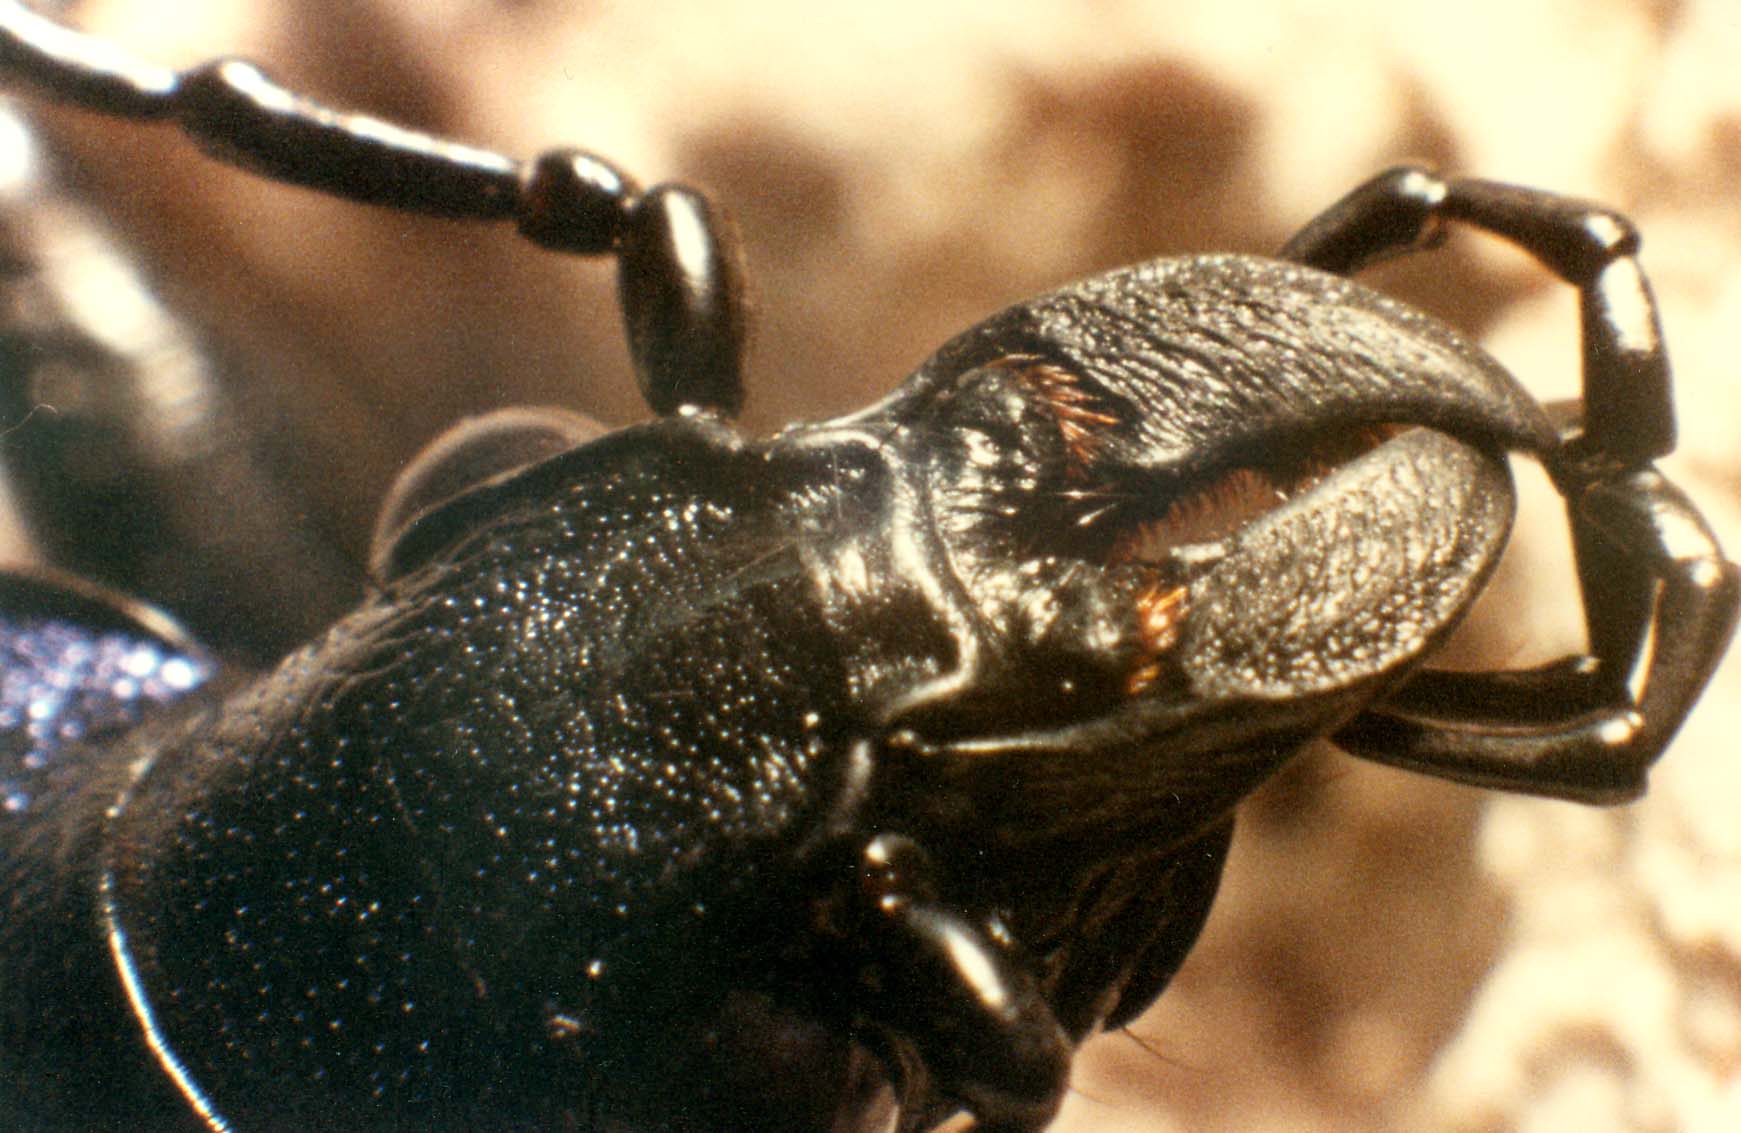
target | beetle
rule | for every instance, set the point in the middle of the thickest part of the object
(671, 778)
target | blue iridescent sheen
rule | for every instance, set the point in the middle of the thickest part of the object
(61, 682)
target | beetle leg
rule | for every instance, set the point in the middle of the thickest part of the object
(1627, 413)
(1628, 405)
(1574, 729)
(1392, 214)
(946, 998)
(679, 273)
(1650, 568)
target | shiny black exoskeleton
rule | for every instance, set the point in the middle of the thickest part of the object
(670, 779)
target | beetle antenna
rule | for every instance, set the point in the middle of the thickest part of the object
(679, 266)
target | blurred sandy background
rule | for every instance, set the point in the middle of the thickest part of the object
(1389, 953)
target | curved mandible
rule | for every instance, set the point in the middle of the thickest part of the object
(1650, 568)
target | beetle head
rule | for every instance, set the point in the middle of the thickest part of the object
(1199, 507)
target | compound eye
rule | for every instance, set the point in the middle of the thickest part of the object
(477, 451)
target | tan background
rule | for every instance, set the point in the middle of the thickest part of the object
(1390, 954)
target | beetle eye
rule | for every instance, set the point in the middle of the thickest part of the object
(474, 452)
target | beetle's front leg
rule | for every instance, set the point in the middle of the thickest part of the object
(1628, 406)
(1573, 729)
(1649, 566)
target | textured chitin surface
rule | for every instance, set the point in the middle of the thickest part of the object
(1388, 953)
(1314, 593)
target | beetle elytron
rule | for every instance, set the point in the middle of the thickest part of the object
(671, 779)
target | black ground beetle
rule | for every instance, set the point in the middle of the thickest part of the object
(847, 779)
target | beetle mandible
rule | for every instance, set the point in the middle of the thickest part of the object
(673, 779)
